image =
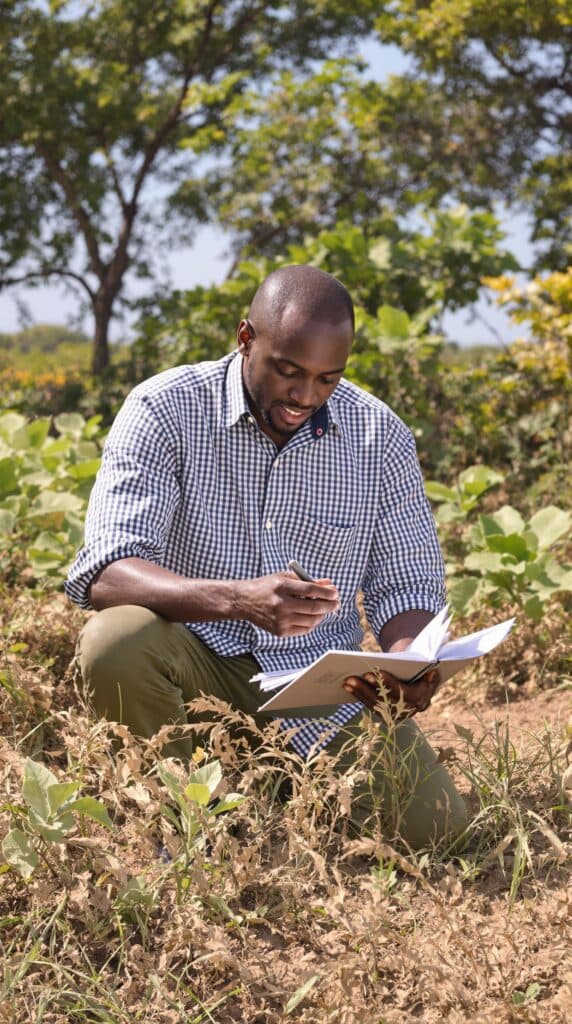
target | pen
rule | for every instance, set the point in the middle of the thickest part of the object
(301, 573)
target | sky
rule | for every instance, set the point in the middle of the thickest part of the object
(208, 260)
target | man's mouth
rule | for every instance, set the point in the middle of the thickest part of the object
(292, 416)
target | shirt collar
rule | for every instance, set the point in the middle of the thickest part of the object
(236, 404)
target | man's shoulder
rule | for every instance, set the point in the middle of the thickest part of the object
(188, 379)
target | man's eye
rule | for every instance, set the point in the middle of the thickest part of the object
(286, 373)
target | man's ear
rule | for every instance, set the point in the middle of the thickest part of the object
(244, 337)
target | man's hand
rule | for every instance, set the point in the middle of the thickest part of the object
(284, 605)
(416, 697)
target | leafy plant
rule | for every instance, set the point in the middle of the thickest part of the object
(511, 560)
(45, 482)
(455, 503)
(51, 810)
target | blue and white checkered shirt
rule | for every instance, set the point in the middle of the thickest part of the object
(190, 482)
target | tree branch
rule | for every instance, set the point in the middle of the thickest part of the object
(6, 282)
(80, 216)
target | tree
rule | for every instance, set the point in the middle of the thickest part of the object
(509, 64)
(100, 104)
(483, 115)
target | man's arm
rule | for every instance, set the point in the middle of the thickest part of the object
(279, 603)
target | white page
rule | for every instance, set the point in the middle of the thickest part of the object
(431, 637)
(475, 644)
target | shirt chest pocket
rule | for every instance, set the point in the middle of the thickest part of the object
(322, 549)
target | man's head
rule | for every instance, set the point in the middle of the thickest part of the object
(295, 344)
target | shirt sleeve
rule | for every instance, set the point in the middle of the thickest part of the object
(134, 498)
(405, 569)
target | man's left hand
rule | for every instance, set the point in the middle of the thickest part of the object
(369, 689)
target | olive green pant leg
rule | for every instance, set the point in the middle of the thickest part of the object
(408, 792)
(141, 670)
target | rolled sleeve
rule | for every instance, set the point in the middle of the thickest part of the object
(134, 497)
(405, 570)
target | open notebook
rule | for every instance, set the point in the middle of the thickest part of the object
(320, 683)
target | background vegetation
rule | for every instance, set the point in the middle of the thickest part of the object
(132, 888)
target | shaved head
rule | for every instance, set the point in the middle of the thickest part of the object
(306, 292)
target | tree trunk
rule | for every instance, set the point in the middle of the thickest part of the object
(102, 310)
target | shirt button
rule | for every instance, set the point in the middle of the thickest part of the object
(268, 524)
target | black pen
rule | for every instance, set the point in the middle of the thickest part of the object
(301, 573)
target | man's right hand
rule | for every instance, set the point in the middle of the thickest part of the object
(284, 605)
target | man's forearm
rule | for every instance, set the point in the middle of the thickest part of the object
(398, 633)
(137, 581)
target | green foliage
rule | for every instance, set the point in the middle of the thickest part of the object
(51, 811)
(510, 115)
(99, 102)
(456, 502)
(45, 481)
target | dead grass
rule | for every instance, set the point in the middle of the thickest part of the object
(274, 911)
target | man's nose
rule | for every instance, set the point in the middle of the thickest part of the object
(303, 393)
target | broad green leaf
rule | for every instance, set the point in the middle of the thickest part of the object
(53, 505)
(197, 793)
(461, 592)
(438, 492)
(393, 323)
(484, 561)
(37, 781)
(8, 476)
(19, 852)
(380, 253)
(10, 424)
(229, 803)
(59, 793)
(7, 522)
(509, 520)
(512, 544)
(478, 479)
(83, 470)
(135, 894)
(53, 830)
(534, 608)
(92, 808)
(209, 775)
(37, 431)
(549, 525)
(70, 424)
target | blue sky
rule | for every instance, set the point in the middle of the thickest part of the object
(207, 262)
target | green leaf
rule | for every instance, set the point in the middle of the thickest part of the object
(37, 431)
(438, 492)
(484, 561)
(59, 793)
(8, 476)
(37, 781)
(10, 424)
(91, 808)
(209, 775)
(549, 525)
(19, 852)
(478, 479)
(393, 323)
(229, 803)
(509, 520)
(70, 424)
(197, 793)
(84, 470)
(53, 506)
(53, 830)
(461, 592)
(7, 522)
(301, 993)
(534, 608)
(512, 544)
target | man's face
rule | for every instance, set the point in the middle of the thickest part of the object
(289, 375)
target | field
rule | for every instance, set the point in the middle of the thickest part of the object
(134, 888)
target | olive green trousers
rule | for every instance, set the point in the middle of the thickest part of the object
(141, 670)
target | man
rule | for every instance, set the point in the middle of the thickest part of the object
(213, 477)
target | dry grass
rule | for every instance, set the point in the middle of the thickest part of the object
(274, 911)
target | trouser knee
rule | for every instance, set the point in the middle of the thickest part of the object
(116, 650)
